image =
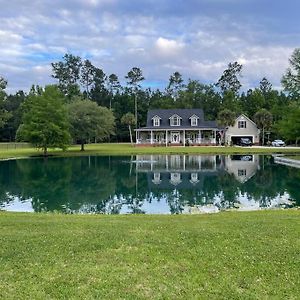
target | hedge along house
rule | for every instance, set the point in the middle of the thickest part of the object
(243, 128)
(174, 127)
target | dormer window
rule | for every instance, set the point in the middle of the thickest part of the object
(194, 120)
(175, 120)
(156, 121)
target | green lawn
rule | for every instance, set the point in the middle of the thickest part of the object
(127, 149)
(297, 157)
(232, 255)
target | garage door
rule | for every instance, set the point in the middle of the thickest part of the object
(236, 139)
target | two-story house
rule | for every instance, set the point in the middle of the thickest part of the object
(177, 127)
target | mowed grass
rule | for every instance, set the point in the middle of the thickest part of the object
(127, 149)
(232, 255)
(297, 157)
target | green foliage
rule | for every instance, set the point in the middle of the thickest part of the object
(12, 105)
(291, 79)
(226, 118)
(229, 81)
(45, 122)
(175, 85)
(265, 86)
(263, 120)
(253, 102)
(4, 114)
(80, 78)
(87, 76)
(67, 72)
(289, 126)
(134, 77)
(90, 121)
(128, 119)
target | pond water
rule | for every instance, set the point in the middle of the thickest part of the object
(154, 184)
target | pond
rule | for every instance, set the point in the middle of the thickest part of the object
(151, 184)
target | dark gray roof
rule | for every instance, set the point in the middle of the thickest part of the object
(185, 114)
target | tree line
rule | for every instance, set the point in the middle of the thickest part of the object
(88, 105)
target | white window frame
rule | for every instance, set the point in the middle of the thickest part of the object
(173, 122)
(194, 121)
(242, 124)
(156, 122)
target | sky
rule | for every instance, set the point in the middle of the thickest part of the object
(197, 38)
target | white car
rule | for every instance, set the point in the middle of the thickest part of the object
(278, 143)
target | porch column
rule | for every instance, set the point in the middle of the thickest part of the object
(136, 137)
(183, 138)
(151, 137)
(199, 137)
(215, 136)
(166, 138)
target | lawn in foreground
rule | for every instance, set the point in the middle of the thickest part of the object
(127, 149)
(245, 255)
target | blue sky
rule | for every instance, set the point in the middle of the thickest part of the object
(198, 38)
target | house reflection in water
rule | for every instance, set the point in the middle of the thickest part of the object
(243, 167)
(184, 171)
(177, 171)
(201, 178)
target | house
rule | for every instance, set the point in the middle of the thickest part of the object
(177, 127)
(243, 128)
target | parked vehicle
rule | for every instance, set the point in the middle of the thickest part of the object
(278, 143)
(245, 142)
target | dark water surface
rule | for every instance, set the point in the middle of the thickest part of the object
(156, 184)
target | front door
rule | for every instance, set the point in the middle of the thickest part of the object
(175, 137)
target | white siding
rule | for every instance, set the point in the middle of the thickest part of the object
(250, 130)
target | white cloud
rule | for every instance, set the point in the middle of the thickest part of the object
(159, 37)
(168, 47)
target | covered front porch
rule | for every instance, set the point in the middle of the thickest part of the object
(173, 137)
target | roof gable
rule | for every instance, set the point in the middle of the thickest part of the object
(243, 117)
(156, 117)
(175, 115)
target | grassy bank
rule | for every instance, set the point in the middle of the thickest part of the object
(250, 255)
(127, 149)
(297, 157)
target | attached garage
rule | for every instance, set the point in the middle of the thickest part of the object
(243, 128)
(235, 140)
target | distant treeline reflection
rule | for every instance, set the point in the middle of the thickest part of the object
(116, 185)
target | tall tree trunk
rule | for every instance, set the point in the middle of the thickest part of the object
(82, 146)
(130, 133)
(263, 136)
(45, 151)
(135, 108)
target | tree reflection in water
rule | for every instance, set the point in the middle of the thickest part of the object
(142, 184)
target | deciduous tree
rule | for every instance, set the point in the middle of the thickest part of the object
(45, 121)
(90, 121)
